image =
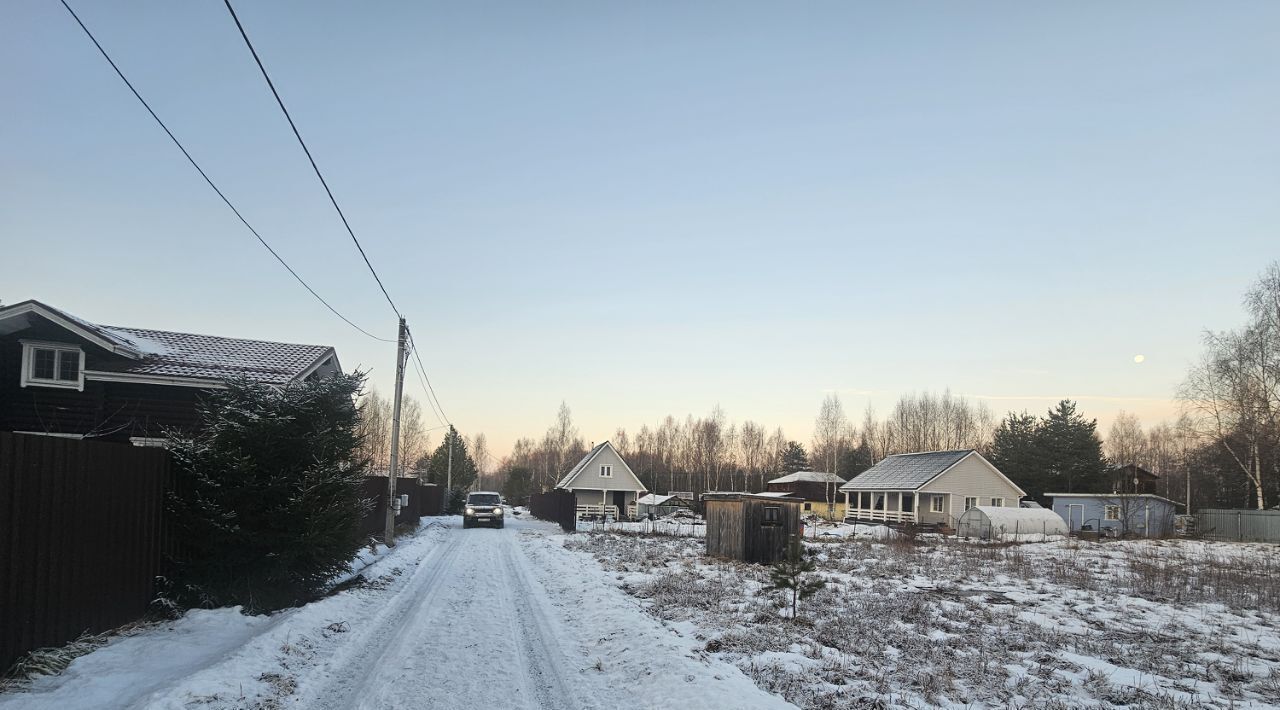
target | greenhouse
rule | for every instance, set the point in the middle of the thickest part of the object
(1011, 524)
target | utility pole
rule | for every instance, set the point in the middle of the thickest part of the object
(392, 502)
(448, 476)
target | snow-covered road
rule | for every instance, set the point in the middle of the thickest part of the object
(451, 619)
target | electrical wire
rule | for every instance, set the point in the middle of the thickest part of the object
(207, 179)
(307, 150)
(426, 382)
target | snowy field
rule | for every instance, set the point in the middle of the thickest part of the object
(450, 618)
(1141, 624)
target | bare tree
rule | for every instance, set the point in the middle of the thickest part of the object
(1233, 393)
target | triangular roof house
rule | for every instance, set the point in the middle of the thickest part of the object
(602, 478)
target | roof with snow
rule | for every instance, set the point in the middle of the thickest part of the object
(905, 472)
(162, 353)
(654, 499)
(809, 476)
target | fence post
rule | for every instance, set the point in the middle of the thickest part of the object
(1239, 535)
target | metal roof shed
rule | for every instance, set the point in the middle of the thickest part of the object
(1010, 524)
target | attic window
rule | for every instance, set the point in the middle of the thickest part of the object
(52, 365)
(606, 471)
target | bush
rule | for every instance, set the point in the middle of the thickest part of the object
(268, 498)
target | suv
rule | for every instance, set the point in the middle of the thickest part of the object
(483, 507)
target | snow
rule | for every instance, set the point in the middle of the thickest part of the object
(449, 618)
(945, 623)
(146, 346)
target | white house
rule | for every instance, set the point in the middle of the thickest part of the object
(604, 484)
(931, 488)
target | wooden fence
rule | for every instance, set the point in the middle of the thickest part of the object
(558, 506)
(1239, 525)
(80, 537)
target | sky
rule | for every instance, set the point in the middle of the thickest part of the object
(656, 208)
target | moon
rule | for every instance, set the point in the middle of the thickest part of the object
(1139, 358)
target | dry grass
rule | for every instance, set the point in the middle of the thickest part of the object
(918, 624)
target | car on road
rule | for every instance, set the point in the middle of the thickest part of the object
(483, 507)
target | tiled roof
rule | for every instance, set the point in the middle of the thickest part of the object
(215, 358)
(905, 472)
(163, 353)
(809, 476)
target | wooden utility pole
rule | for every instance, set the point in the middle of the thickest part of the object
(392, 501)
(448, 476)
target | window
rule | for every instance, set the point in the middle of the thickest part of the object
(808, 506)
(1110, 512)
(997, 502)
(52, 365)
(970, 503)
(935, 504)
(772, 515)
(606, 471)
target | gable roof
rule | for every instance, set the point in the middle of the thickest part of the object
(810, 477)
(586, 460)
(906, 471)
(184, 356)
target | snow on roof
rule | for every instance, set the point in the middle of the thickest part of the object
(188, 355)
(1111, 495)
(906, 471)
(809, 476)
(653, 499)
(1039, 520)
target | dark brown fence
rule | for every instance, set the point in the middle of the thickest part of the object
(375, 488)
(432, 499)
(558, 506)
(80, 536)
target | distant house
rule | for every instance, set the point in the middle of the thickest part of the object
(820, 491)
(661, 505)
(1133, 479)
(63, 376)
(931, 488)
(1143, 514)
(604, 484)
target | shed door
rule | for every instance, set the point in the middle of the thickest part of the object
(1075, 517)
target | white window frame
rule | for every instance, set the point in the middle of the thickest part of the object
(149, 441)
(28, 363)
(606, 471)
(935, 504)
(1111, 513)
(997, 502)
(967, 505)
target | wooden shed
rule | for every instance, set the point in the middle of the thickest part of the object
(751, 527)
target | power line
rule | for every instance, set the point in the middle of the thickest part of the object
(307, 150)
(422, 370)
(207, 179)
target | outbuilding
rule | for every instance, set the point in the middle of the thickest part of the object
(1119, 514)
(751, 527)
(661, 505)
(1004, 524)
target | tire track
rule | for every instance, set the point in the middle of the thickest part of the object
(551, 685)
(350, 675)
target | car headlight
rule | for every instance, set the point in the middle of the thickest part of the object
(471, 511)
(497, 511)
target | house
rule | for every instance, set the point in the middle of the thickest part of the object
(931, 488)
(1133, 479)
(661, 505)
(1143, 514)
(604, 484)
(63, 376)
(820, 491)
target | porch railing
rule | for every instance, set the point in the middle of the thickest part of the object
(598, 511)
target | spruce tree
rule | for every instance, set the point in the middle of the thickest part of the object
(460, 476)
(794, 574)
(269, 494)
(1071, 451)
(794, 457)
(1015, 450)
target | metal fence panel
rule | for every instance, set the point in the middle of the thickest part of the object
(1239, 525)
(80, 537)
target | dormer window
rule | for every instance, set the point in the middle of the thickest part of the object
(606, 471)
(52, 365)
